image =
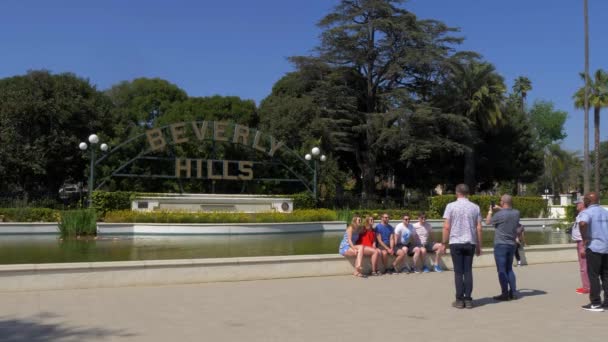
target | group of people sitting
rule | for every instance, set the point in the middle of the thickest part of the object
(362, 238)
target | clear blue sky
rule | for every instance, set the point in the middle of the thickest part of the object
(239, 47)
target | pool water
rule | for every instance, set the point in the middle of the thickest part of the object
(25, 249)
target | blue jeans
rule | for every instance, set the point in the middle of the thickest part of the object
(503, 255)
(462, 258)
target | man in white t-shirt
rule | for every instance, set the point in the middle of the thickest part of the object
(404, 238)
(425, 243)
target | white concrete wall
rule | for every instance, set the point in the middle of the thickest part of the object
(218, 228)
(33, 277)
(28, 228)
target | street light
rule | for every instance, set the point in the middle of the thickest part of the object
(315, 155)
(93, 140)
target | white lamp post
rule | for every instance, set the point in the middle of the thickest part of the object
(93, 140)
(316, 156)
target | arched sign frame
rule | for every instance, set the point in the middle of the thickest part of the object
(168, 136)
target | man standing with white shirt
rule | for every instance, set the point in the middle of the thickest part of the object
(462, 229)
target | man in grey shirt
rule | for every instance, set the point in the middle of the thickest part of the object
(505, 222)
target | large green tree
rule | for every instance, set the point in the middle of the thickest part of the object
(548, 123)
(385, 58)
(43, 117)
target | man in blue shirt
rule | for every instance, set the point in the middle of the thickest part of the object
(594, 230)
(385, 236)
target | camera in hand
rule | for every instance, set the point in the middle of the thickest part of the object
(492, 204)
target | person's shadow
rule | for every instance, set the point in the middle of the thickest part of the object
(521, 294)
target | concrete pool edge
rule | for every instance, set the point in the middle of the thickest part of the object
(26, 228)
(35, 277)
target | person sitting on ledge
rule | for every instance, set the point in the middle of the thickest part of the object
(404, 236)
(348, 248)
(385, 237)
(367, 239)
(425, 243)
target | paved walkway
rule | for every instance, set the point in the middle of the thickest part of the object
(344, 308)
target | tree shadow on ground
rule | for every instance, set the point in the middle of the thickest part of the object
(36, 330)
(522, 293)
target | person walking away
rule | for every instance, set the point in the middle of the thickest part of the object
(462, 230)
(594, 230)
(580, 249)
(505, 222)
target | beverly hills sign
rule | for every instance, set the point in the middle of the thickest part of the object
(217, 131)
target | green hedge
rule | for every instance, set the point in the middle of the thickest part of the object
(104, 201)
(395, 214)
(302, 200)
(30, 215)
(310, 215)
(530, 207)
(571, 213)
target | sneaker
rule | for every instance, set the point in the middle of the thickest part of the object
(519, 263)
(582, 290)
(416, 270)
(438, 268)
(468, 303)
(513, 295)
(458, 304)
(425, 269)
(501, 298)
(592, 307)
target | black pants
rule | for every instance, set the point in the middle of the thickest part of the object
(462, 258)
(517, 257)
(597, 268)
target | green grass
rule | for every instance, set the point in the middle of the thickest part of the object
(78, 222)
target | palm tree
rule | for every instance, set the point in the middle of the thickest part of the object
(521, 87)
(586, 100)
(475, 90)
(597, 98)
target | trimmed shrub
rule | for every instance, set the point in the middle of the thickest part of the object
(302, 200)
(527, 206)
(570, 213)
(104, 201)
(309, 215)
(78, 222)
(29, 215)
(395, 214)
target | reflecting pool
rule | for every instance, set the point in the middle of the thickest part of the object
(25, 249)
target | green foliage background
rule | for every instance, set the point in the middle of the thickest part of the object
(530, 207)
